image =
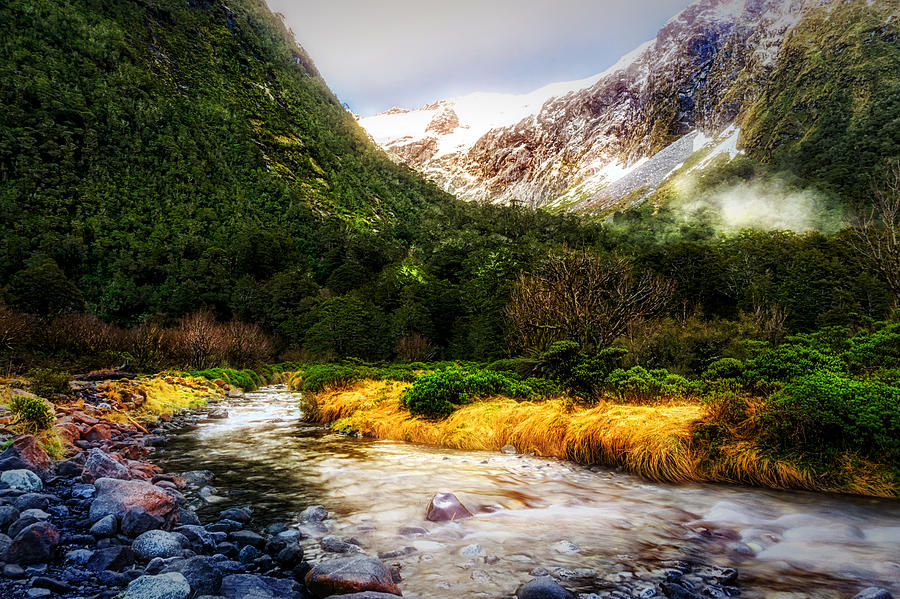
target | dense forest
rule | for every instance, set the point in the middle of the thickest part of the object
(167, 159)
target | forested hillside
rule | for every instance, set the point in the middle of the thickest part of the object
(159, 152)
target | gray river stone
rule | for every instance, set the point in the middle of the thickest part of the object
(157, 543)
(543, 587)
(172, 585)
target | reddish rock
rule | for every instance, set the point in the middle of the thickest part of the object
(68, 432)
(25, 452)
(350, 575)
(79, 416)
(98, 432)
(446, 507)
(115, 496)
(101, 465)
(34, 544)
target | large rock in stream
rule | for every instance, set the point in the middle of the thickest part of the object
(25, 453)
(350, 575)
(543, 587)
(116, 497)
(446, 507)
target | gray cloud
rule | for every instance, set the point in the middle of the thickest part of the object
(377, 54)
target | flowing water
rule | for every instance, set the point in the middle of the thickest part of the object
(531, 512)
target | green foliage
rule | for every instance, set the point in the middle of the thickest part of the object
(637, 384)
(829, 108)
(247, 379)
(47, 382)
(322, 376)
(724, 368)
(577, 371)
(33, 413)
(43, 288)
(436, 395)
(825, 412)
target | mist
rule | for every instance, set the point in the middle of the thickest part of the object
(768, 205)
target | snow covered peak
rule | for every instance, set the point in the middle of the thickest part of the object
(566, 142)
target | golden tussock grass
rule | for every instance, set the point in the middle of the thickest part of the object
(654, 441)
(162, 395)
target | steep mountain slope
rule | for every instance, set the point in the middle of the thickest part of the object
(718, 63)
(140, 138)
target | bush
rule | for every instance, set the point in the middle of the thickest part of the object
(638, 384)
(725, 368)
(34, 413)
(47, 383)
(248, 380)
(436, 395)
(786, 363)
(522, 367)
(577, 371)
(824, 411)
(321, 376)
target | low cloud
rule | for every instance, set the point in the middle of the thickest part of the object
(763, 205)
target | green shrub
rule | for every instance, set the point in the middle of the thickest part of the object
(522, 367)
(248, 380)
(639, 384)
(32, 412)
(543, 387)
(321, 376)
(823, 411)
(577, 371)
(47, 383)
(786, 363)
(437, 394)
(724, 368)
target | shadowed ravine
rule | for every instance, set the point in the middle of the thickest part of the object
(530, 511)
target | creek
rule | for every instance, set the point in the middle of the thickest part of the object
(592, 527)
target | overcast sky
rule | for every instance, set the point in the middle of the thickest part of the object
(376, 54)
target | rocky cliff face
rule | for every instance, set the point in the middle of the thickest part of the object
(588, 144)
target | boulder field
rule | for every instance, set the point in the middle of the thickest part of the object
(107, 522)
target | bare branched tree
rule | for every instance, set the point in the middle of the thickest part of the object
(199, 339)
(583, 297)
(876, 234)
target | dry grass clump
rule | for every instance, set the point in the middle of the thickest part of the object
(162, 395)
(655, 441)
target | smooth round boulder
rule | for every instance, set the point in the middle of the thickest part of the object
(874, 593)
(35, 544)
(446, 507)
(157, 543)
(116, 497)
(217, 414)
(543, 587)
(350, 575)
(172, 585)
(23, 480)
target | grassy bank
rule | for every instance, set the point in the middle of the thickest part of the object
(663, 441)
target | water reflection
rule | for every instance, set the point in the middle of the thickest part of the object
(533, 512)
